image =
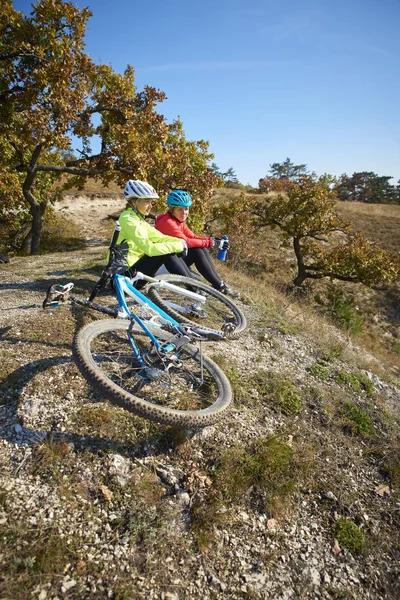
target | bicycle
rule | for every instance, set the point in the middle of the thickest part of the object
(147, 362)
(215, 312)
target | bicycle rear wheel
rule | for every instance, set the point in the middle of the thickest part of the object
(218, 313)
(186, 389)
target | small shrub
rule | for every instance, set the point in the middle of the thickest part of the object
(3, 497)
(332, 353)
(278, 390)
(265, 468)
(50, 457)
(357, 381)
(392, 469)
(357, 419)
(31, 556)
(243, 386)
(349, 535)
(391, 463)
(107, 421)
(344, 311)
(206, 514)
(146, 488)
(314, 395)
(60, 234)
(319, 370)
(240, 387)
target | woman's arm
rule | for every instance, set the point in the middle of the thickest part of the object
(146, 238)
(172, 227)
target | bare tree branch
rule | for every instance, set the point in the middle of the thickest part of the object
(71, 170)
(35, 155)
(19, 154)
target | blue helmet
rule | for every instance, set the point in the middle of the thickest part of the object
(179, 198)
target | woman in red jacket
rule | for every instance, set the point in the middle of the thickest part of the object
(172, 223)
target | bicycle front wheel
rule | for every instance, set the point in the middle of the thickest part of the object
(185, 388)
(218, 313)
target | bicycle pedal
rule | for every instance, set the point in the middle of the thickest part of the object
(228, 328)
(149, 374)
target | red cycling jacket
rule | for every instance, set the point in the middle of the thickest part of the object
(168, 225)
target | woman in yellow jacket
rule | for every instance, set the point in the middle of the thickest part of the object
(148, 248)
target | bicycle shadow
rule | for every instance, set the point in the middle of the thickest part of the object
(82, 287)
(15, 340)
(43, 285)
(14, 432)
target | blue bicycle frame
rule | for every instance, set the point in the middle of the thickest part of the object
(123, 285)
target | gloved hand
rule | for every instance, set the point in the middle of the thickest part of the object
(184, 250)
(225, 243)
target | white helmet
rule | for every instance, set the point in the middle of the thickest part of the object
(139, 189)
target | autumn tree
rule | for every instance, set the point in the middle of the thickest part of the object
(306, 217)
(51, 90)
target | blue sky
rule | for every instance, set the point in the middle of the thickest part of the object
(314, 80)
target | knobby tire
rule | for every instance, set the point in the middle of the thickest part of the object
(217, 311)
(103, 354)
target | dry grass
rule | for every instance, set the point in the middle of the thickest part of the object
(391, 211)
(375, 312)
(96, 187)
(380, 223)
(294, 311)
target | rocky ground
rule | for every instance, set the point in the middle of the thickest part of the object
(295, 494)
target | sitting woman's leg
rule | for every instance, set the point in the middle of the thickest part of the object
(201, 258)
(149, 265)
(176, 265)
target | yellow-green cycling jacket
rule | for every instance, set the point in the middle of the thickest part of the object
(143, 239)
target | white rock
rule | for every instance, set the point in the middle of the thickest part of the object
(312, 575)
(68, 584)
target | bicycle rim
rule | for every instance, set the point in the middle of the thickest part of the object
(190, 391)
(219, 313)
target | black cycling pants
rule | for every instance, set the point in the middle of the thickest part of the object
(149, 265)
(200, 257)
(176, 265)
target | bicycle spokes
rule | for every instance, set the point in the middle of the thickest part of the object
(174, 380)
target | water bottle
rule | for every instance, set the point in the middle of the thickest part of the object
(222, 253)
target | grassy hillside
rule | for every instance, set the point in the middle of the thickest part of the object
(379, 222)
(294, 495)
